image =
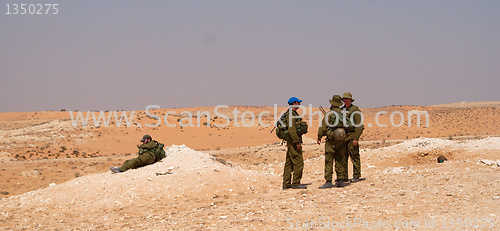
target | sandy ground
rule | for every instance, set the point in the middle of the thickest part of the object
(55, 176)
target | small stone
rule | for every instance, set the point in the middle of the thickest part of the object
(441, 159)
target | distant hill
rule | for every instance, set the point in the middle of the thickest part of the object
(465, 104)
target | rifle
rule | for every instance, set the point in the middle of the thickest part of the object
(322, 110)
(281, 119)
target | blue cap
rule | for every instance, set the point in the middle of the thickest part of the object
(293, 100)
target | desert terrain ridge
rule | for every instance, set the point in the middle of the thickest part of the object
(465, 104)
(230, 177)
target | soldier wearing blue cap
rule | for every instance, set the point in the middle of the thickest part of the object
(294, 162)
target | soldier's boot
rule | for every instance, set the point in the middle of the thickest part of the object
(340, 183)
(328, 184)
(356, 179)
(299, 187)
(115, 170)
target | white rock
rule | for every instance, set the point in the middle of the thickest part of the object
(488, 162)
(394, 170)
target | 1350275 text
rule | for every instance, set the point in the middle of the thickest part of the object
(31, 9)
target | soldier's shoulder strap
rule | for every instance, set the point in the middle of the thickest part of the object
(294, 113)
(353, 108)
(283, 117)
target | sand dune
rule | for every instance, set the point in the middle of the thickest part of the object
(42, 135)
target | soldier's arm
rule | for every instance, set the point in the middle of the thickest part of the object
(149, 145)
(322, 128)
(358, 130)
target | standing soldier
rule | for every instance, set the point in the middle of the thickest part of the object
(332, 127)
(293, 131)
(352, 138)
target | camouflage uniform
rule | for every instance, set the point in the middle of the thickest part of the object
(334, 150)
(353, 151)
(294, 162)
(146, 156)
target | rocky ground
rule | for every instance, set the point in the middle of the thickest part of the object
(404, 187)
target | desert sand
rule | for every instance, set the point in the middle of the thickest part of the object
(56, 176)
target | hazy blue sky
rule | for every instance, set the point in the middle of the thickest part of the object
(109, 55)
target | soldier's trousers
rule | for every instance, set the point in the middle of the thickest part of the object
(353, 152)
(336, 151)
(294, 163)
(142, 160)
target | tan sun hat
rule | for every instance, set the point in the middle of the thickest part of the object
(348, 95)
(336, 101)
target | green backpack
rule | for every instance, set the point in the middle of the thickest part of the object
(282, 131)
(340, 124)
(159, 152)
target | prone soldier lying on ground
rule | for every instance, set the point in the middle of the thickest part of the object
(150, 152)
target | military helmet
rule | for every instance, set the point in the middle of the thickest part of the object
(339, 134)
(145, 137)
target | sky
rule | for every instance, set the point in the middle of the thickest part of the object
(126, 55)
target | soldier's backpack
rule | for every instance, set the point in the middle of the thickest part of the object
(282, 131)
(159, 152)
(337, 129)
